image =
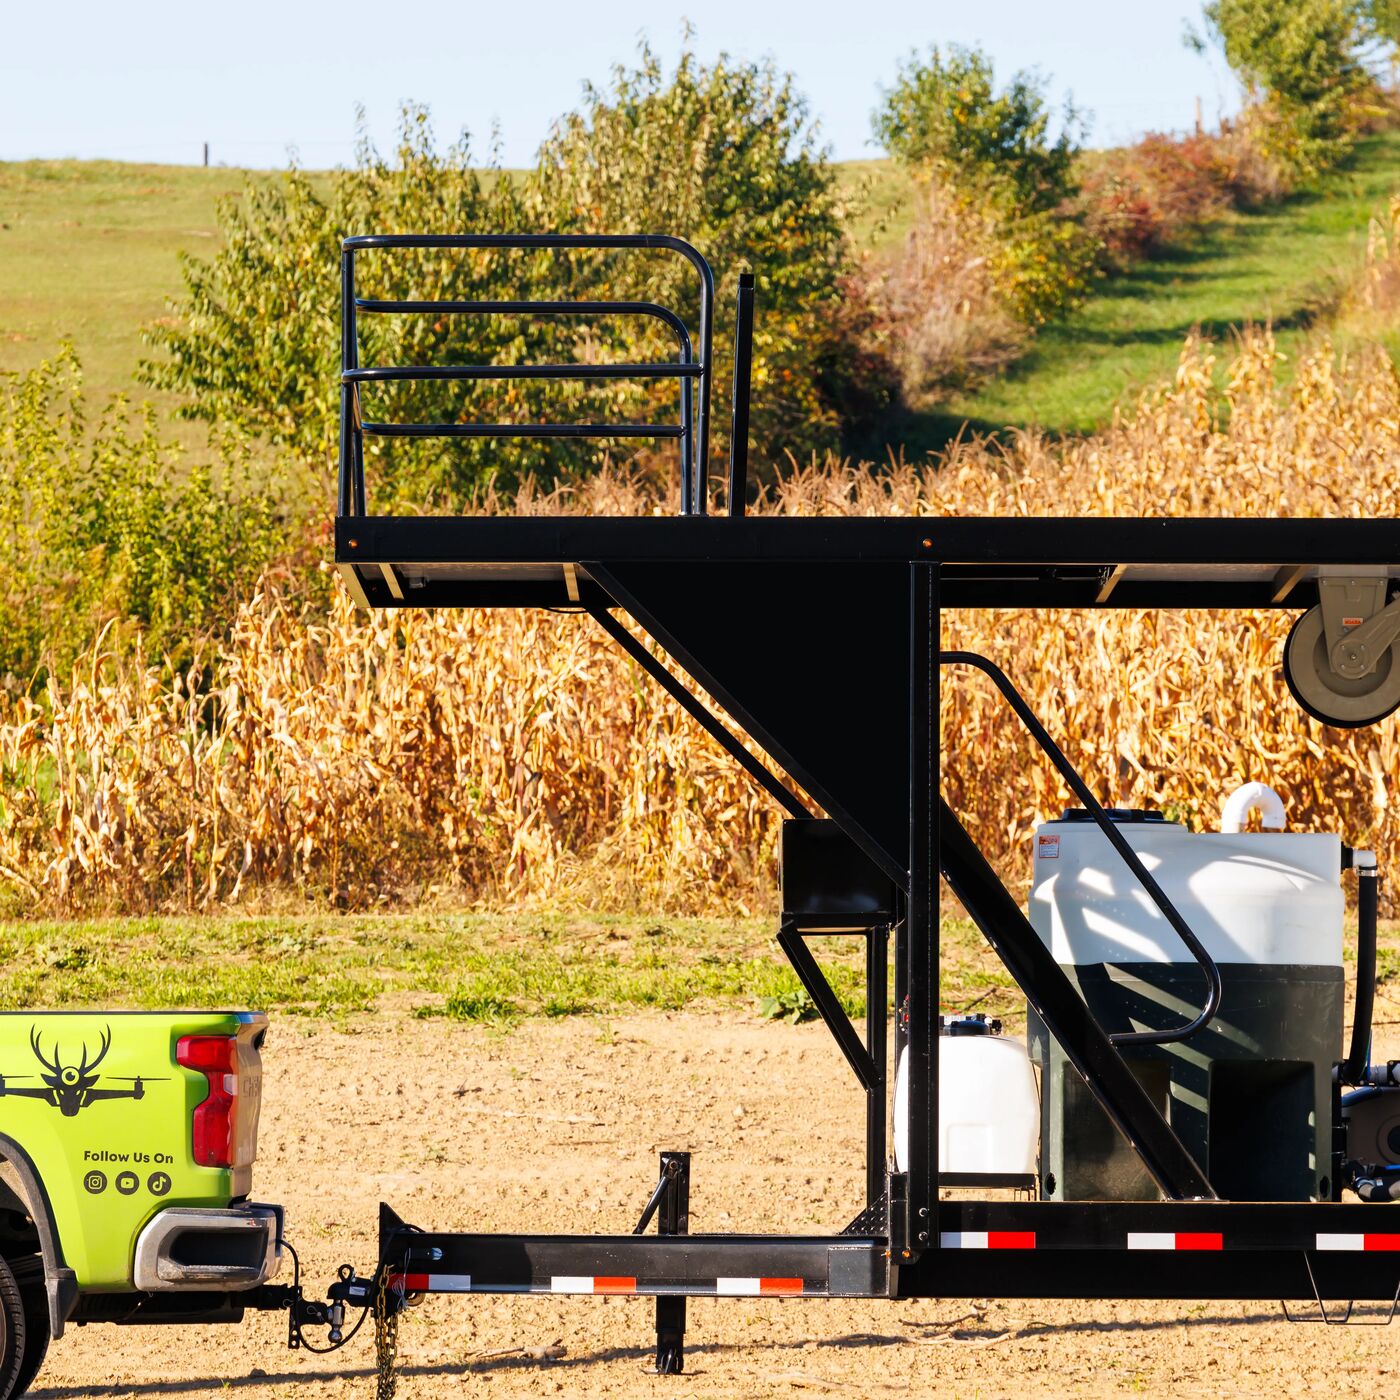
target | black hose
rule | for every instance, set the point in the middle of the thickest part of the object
(1353, 1070)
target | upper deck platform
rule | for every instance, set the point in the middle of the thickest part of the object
(506, 561)
(484, 561)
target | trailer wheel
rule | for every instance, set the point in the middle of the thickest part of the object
(1326, 696)
(28, 1272)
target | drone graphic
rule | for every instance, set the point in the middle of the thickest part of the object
(70, 1088)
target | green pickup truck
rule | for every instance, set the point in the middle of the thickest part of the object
(127, 1142)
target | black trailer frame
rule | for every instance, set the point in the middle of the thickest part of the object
(844, 613)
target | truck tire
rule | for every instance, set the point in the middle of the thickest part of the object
(28, 1271)
(13, 1348)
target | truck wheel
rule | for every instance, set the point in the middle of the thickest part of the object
(12, 1333)
(28, 1271)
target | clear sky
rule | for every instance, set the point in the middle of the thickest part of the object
(152, 80)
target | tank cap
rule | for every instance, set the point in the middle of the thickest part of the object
(967, 1023)
(1114, 814)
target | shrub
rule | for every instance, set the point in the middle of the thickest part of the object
(1303, 66)
(255, 341)
(993, 150)
(939, 314)
(725, 156)
(944, 115)
(1138, 199)
(105, 521)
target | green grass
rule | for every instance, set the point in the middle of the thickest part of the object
(1284, 264)
(492, 969)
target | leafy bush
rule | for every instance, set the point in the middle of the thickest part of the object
(256, 340)
(725, 156)
(1138, 199)
(106, 521)
(940, 318)
(993, 150)
(1303, 64)
(945, 115)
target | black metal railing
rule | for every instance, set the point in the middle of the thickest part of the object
(690, 369)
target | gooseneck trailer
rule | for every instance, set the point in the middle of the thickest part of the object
(817, 640)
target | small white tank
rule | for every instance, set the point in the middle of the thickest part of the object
(1265, 898)
(988, 1106)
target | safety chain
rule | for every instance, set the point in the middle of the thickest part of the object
(386, 1337)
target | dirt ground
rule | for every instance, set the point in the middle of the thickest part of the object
(556, 1126)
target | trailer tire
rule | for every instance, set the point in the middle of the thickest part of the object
(12, 1334)
(28, 1271)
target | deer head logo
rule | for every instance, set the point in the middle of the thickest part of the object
(70, 1087)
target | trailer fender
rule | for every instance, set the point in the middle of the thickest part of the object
(20, 1181)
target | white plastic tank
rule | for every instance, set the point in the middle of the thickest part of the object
(988, 1106)
(1269, 899)
(1250, 1094)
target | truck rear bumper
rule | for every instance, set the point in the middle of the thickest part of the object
(186, 1249)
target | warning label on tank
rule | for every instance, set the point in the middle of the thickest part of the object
(1049, 848)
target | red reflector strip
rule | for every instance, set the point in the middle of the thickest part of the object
(1383, 1241)
(614, 1285)
(1187, 1240)
(779, 1287)
(987, 1239)
(411, 1283)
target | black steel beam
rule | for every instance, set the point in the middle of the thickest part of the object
(832, 1012)
(1057, 1003)
(920, 929)
(1012, 545)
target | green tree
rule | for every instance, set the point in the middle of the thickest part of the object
(1303, 66)
(256, 341)
(725, 156)
(945, 115)
(106, 521)
(993, 150)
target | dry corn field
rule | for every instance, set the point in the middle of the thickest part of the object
(503, 756)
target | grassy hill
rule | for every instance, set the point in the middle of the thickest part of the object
(89, 252)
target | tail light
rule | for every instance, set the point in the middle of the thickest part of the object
(214, 1128)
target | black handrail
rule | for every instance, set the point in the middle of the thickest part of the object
(1116, 839)
(693, 431)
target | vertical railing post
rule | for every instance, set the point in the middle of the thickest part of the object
(699, 503)
(345, 493)
(743, 377)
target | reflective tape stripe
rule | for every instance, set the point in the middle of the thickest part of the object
(571, 1283)
(737, 1287)
(1358, 1242)
(987, 1239)
(1180, 1239)
(614, 1285)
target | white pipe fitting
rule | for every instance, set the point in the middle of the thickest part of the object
(1245, 799)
